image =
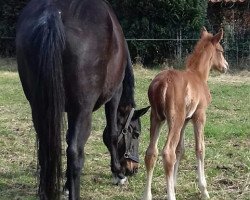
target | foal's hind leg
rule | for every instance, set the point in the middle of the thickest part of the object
(151, 153)
(179, 152)
(169, 154)
(199, 119)
(79, 123)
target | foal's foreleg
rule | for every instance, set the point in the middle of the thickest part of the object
(151, 154)
(199, 122)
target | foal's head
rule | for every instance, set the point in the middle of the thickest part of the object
(218, 62)
(129, 129)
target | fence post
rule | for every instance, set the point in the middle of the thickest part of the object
(179, 45)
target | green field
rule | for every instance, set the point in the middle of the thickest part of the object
(227, 136)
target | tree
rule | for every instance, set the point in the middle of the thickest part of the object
(9, 11)
(158, 19)
(139, 19)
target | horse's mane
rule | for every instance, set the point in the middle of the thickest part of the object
(127, 97)
(192, 59)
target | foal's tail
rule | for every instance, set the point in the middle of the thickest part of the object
(47, 41)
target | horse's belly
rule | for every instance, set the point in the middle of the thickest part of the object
(101, 101)
(190, 112)
(104, 98)
(191, 106)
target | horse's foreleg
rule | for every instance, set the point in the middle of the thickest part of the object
(111, 138)
(199, 122)
(151, 154)
(79, 130)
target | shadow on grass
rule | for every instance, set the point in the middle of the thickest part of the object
(18, 186)
(8, 64)
(189, 196)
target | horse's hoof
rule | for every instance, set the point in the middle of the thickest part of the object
(120, 181)
(65, 194)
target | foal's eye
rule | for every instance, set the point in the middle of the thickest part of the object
(220, 50)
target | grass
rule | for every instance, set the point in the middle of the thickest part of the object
(227, 135)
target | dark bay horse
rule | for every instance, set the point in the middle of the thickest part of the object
(178, 97)
(72, 57)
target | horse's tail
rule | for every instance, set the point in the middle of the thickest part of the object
(47, 41)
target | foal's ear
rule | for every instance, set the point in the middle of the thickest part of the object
(139, 113)
(203, 32)
(218, 37)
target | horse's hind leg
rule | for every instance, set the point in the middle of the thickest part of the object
(199, 119)
(179, 152)
(79, 127)
(151, 153)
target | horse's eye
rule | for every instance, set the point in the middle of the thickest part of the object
(136, 134)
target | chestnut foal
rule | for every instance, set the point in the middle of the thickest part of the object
(177, 97)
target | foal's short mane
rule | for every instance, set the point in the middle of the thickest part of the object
(193, 58)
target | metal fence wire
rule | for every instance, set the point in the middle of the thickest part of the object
(170, 52)
(173, 52)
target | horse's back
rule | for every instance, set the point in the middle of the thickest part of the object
(95, 52)
(165, 91)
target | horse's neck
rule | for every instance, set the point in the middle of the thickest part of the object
(127, 98)
(201, 67)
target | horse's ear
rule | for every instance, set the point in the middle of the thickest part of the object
(139, 113)
(218, 37)
(203, 32)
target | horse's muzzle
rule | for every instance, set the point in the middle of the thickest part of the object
(130, 167)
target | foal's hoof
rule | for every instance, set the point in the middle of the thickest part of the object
(206, 196)
(147, 196)
(119, 180)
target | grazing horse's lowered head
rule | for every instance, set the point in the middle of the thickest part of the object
(129, 129)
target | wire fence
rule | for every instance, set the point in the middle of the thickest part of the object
(173, 51)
